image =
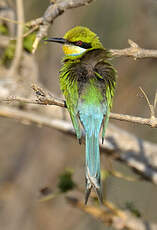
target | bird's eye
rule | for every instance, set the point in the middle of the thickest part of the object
(79, 43)
(82, 44)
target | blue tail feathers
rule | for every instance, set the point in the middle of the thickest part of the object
(91, 118)
(92, 166)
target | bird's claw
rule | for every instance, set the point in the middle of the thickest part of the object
(87, 194)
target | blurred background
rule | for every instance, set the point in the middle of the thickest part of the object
(32, 158)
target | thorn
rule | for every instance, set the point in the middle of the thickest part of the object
(151, 107)
(132, 44)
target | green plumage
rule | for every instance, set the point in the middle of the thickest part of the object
(76, 73)
(87, 80)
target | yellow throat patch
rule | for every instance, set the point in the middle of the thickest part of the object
(73, 50)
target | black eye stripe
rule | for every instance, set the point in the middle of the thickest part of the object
(81, 44)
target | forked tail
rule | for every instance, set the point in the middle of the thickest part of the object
(93, 165)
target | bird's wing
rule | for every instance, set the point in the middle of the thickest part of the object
(107, 74)
(68, 85)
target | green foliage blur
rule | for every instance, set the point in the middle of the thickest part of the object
(3, 29)
(65, 181)
(28, 42)
(9, 52)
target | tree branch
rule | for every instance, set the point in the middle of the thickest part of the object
(57, 8)
(54, 10)
(121, 220)
(46, 98)
(136, 153)
(134, 51)
(152, 121)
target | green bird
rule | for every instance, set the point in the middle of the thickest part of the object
(87, 80)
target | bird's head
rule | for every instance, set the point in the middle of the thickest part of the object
(77, 41)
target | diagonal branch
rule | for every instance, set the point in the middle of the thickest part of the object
(54, 10)
(120, 221)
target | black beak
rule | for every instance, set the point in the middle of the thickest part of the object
(59, 40)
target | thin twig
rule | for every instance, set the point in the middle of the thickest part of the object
(31, 31)
(19, 42)
(134, 51)
(152, 122)
(5, 39)
(10, 20)
(151, 107)
(155, 100)
(20, 100)
(34, 22)
(119, 175)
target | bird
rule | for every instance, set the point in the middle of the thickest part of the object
(87, 81)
